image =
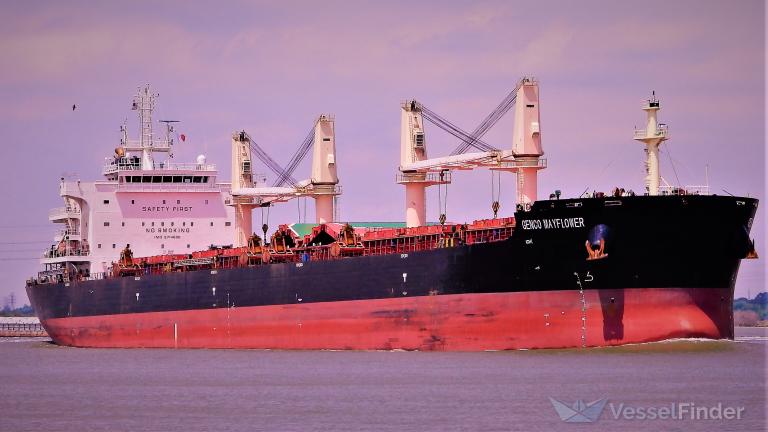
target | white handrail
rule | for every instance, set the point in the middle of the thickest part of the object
(71, 252)
(161, 166)
(69, 231)
(683, 190)
(661, 131)
(63, 210)
(169, 187)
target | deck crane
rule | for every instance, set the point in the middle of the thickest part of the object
(249, 192)
(417, 171)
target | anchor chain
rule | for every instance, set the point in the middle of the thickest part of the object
(583, 311)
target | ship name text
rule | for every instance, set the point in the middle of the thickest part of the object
(555, 223)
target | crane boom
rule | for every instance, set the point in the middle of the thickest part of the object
(491, 119)
(296, 159)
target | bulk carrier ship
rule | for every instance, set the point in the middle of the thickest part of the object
(136, 264)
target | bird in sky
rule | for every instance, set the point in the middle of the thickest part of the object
(73, 107)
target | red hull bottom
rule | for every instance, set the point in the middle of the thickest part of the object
(466, 322)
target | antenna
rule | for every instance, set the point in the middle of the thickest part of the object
(706, 177)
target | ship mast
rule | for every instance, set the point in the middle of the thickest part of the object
(144, 103)
(652, 136)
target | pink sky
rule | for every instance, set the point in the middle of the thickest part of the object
(271, 69)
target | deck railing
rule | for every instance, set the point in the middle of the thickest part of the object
(160, 166)
(683, 190)
(68, 232)
(61, 254)
(662, 131)
(168, 187)
(59, 211)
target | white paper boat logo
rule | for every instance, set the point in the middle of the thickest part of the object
(579, 412)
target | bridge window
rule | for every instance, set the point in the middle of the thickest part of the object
(177, 179)
(106, 201)
(227, 223)
(106, 223)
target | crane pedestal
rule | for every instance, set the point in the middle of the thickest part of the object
(416, 184)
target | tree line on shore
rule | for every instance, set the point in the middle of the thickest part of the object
(751, 312)
(23, 311)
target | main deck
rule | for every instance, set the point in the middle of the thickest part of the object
(325, 242)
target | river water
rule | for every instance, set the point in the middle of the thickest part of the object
(47, 387)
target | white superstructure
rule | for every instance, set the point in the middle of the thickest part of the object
(155, 206)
